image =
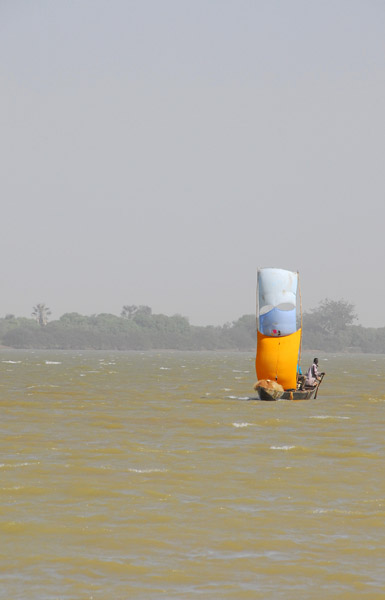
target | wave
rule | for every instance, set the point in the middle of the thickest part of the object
(327, 417)
(16, 465)
(12, 362)
(147, 470)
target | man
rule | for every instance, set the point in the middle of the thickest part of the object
(312, 376)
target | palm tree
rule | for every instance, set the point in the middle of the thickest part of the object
(128, 311)
(41, 313)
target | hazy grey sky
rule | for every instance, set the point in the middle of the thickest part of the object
(159, 151)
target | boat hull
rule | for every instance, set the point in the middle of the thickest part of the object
(271, 395)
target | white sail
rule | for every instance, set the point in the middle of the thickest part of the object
(277, 288)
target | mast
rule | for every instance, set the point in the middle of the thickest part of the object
(300, 308)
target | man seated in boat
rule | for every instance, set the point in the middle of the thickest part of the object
(313, 376)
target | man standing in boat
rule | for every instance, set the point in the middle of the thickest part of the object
(313, 375)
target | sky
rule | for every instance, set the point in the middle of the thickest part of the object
(160, 152)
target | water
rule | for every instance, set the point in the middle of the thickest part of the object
(151, 475)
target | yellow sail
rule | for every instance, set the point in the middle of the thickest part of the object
(277, 358)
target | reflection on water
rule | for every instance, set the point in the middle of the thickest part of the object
(153, 475)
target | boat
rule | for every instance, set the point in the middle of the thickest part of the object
(279, 338)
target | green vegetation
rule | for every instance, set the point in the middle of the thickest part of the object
(328, 327)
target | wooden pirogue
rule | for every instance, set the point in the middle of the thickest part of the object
(266, 392)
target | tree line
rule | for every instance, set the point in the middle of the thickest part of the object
(329, 327)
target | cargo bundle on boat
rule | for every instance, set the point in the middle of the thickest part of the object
(279, 335)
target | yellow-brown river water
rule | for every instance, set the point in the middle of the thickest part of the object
(151, 475)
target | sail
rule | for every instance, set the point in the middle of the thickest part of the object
(277, 288)
(277, 320)
(277, 358)
(278, 341)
